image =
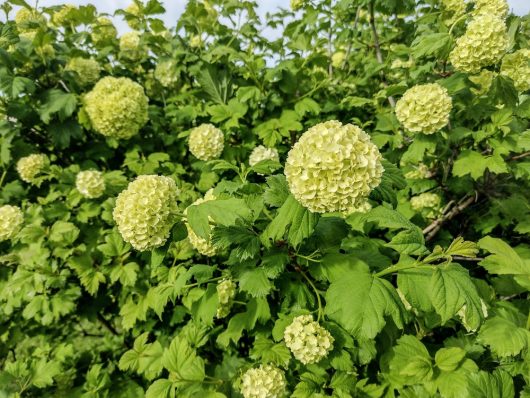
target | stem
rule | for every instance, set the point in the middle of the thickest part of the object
(316, 293)
(455, 22)
(307, 258)
(2, 178)
(395, 268)
(201, 283)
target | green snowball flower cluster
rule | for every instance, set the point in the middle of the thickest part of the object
(203, 246)
(87, 70)
(499, 8)
(130, 45)
(146, 211)
(267, 381)
(261, 153)
(308, 341)
(166, 73)
(11, 219)
(26, 19)
(428, 203)
(226, 291)
(418, 173)
(424, 108)
(517, 67)
(484, 43)
(90, 183)
(337, 59)
(296, 4)
(206, 142)
(455, 8)
(116, 107)
(333, 168)
(31, 166)
(103, 31)
(196, 41)
(63, 16)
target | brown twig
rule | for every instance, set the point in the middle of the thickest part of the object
(378, 54)
(520, 156)
(432, 229)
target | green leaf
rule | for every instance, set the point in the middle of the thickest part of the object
(183, 362)
(266, 351)
(43, 373)
(58, 102)
(277, 190)
(451, 290)
(504, 260)
(475, 164)
(255, 282)
(503, 90)
(216, 84)
(437, 44)
(293, 218)
(498, 384)
(504, 337)
(145, 358)
(359, 302)
(460, 247)
(448, 359)
(162, 388)
(410, 362)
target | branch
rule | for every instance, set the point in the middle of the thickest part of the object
(520, 156)
(378, 53)
(431, 230)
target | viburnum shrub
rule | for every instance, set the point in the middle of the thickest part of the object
(329, 201)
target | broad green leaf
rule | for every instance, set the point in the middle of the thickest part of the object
(183, 362)
(448, 359)
(359, 302)
(410, 362)
(475, 164)
(498, 384)
(504, 337)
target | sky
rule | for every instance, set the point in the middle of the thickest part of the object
(175, 7)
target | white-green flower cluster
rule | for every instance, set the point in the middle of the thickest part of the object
(428, 203)
(166, 73)
(296, 4)
(491, 7)
(456, 8)
(261, 153)
(308, 341)
(90, 183)
(337, 59)
(206, 142)
(484, 43)
(26, 19)
(267, 381)
(29, 167)
(333, 168)
(87, 70)
(424, 108)
(145, 212)
(196, 41)
(517, 67)
(130, 45)
(63, 16)
(103, 31)
(11, 219)
(419, 172)
(226, 291)
(203, 246)
(116, 107)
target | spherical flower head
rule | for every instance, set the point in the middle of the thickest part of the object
(226, 291)
(484, 43)
(491, 7)
(133, 19)
(166, 73)
(103, 31)
(261, 153)
(133, 9)
(87, 70)
(418, 173)
(428, 203)
(333, 168)
(517, 67)
(456, 9)
(116, 107)
(11, 219)
(308, 341)
(26, 19)
(145, 212)
(337, 59)
(130, 45)
(203, 246)
(424, 108)
(30, 167)
(90, 183)
(206, 142)
(196, 41)
(296, 4)
(267, 381)
(63, 17)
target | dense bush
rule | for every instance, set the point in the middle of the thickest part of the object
(152, 243)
